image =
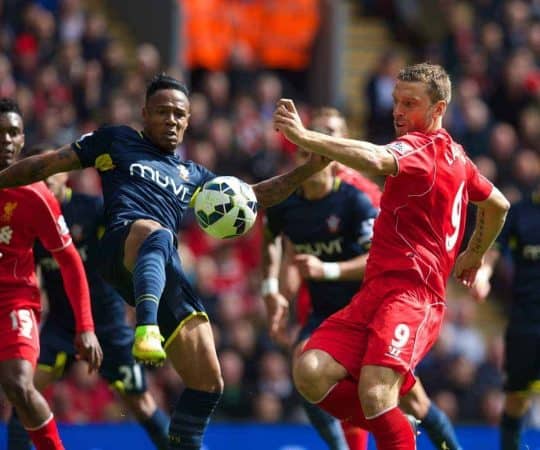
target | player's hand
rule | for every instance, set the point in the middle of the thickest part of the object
(88, 349)
(482, 286)
(287, 120)
(467, 265)
(309, 266)
(277, 307)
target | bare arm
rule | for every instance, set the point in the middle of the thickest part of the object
(276, 189)
(312, 267)
(360, 155)
(277, 306)
(489, 222)
(39, 167)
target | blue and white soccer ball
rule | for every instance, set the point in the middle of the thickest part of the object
(226, 207)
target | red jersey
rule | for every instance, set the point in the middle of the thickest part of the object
(423, 208)
(27, 213)
(359, 181)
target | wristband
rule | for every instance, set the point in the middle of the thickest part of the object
(331, 271)
(269, 286)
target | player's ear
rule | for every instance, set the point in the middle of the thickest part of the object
(144, 113)
(440, 108)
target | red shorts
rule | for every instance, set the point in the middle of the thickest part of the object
(19, 334)
(392, 322)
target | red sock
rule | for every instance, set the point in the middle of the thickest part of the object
(392, 431)
(343, 403)
(46, 436)
(357, 438)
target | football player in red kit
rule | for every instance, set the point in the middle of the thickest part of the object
(26, 214)
(362, 358)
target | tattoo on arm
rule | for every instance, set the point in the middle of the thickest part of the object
(35, 168)
(478, 235)
(276, 189)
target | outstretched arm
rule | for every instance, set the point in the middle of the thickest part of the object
(276, 189)
(489, 222)
(39, 167)
(360, 155)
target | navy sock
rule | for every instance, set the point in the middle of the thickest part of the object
(18, 438)
(190, 419)
(149, 274)
(327, 426)
(157, 427)
(510, 432)
(440, 430)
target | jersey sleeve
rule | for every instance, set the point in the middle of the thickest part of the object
(51, 228)
(93, 148)
(409, 158)
(478, 187)
(364, 214)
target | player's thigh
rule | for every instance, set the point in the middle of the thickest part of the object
(522, 362)
(193, 354)
(140, 229)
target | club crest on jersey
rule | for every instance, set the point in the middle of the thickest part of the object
(400, 147)
(183, 172)
(104, 162)
(9, 207)
(333, 223)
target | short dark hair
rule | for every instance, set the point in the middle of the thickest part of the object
(433, 75)
(163, 81)
(8, 105)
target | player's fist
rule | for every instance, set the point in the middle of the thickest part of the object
(467, 265)
(482, 286)
(277, 308)
(88, 349)
(287, 120)
(309, 266)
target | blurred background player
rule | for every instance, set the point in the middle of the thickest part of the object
(368, 350)
(147, 188)
(30, 213)
(520, 241)
(295, 268)
(332, 220)
(84, 217)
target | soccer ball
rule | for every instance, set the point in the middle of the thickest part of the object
(225, 207)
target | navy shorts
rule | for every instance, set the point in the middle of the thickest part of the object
(178, 301)
(522, 361)
(118, 368)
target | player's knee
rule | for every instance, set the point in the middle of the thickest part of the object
(309, 374)
(142, 405)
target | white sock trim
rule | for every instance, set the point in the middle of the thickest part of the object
(51, 417)
(381, 413)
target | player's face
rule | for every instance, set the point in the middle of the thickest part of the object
(331, 125)
(11, 138)
(165, 117)
(413, 108)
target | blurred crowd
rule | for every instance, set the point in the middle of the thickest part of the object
(70, 75)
